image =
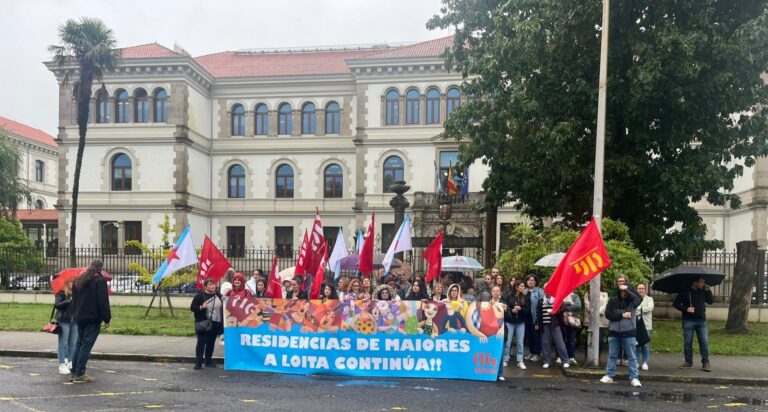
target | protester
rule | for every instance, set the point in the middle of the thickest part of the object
(518, 310)
(68, 334)
(353, 290)
(329, 293)
(693, 304)
(91, 307)
(261, 289)
(622, 331)
(295, 291)
(385, 292)
(495, 300)
(437, 292)
(532, 332)
(572, 308)
(251, 284)
(286, 287)
(238, 287)
(418, 292)
(367, 288)
(549, 323)
(207, 305)
(645, 312)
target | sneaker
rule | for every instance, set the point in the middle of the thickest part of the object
(705, 367)
(606, 379)
(545, 366)
(644, 367)
(501, 379)
(63, 369)
(535, 358)
(573, 362)
(558, 361)
(521, 365)
(686, 365)
(566, 365)
(69, 365)
(506, 364)
(636, 382)
(84, 378)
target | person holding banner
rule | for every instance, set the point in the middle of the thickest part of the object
(329, 293)
(437, 292)
(238, 287)
(417, 292)
(207, 306)
(353, 290)
(261, 289)
(367, 289)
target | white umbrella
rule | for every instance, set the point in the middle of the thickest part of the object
(552, 260)
(287, 274)
(460, 263)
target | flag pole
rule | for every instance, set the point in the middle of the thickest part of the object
(593, 354)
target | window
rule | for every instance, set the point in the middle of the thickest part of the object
(333, 179)
(39, 204)
(453, 100)
(262, 120)
(52, 240)
(332, 118)
(308, 119)
(387, 234)
(235, 241)
(238, 120)
(121, 106)
(284, 119)
(103, 107)
(330, 233)
(460, 176)
(236, 175)
(121, 172)
(132, 232)
(141, 106)
(39, 171)
(393, 172)
(393, 108)
(433, 106)
(284, 182)
(161, 106)
(34, 234)
(109, 237)
(284, 241)
(412, 107)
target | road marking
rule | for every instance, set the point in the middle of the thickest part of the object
(82, 395)
(154, 406)
(6, 366)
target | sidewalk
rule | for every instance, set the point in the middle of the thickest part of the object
(726, 370)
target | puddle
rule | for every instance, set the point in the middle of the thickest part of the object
(679, 397)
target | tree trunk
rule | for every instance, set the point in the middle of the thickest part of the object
(83, 94)
(741, 290)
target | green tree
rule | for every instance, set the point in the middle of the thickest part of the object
(13, 191)
(89, 46)
(16, 251)
(678, 72)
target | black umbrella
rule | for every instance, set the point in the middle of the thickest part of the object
(680, 278)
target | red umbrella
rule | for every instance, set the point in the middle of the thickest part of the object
(71, 273)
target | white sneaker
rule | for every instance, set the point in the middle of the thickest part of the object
(69, 365)
(644, 367)
(63, 369)
(558, 361)
(566, 365)
(607, 379)
(506, 364)
(521, 365)
(545, 366)
(573, 361)
(636, 382)
(501, 379)
(535, 358)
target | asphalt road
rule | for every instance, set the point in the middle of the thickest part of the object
(32, 384)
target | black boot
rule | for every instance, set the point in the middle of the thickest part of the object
(209, 364)
(198, 365)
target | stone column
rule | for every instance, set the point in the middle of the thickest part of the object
(178, 104)
(402, 111)
(151, 103)
(320, 122)
(92, 112)
(250, 123)
(443, 108)
(296, 117)
(131, 108)
(120, 237)
(272, 122)
(422, 109)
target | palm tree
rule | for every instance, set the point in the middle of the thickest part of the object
(90, 46)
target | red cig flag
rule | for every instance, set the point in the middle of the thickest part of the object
(274, 288)
(365, 264)
(213, 264)
(433, 254)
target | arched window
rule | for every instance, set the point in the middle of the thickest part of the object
(39, 204)
(236, 179)
(262, 119)
(308, 119)
(284, 119)
(393, 171)
(238, 120)
(121, 172)
(121, 106)
(332, 118)
(333, 181)
(412, 107)
(433, 106)
(140, 106)
(453, 100)
(393, 108)
(284, 181)
(103, 107)
(161, 106)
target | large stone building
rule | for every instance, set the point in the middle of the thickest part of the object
(243, 146)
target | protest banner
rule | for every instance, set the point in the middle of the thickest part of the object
(420, 339)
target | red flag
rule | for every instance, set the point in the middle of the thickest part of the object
(316, 240)
(365, 264)
(585, 259)
(320, 272)
(301, 262)
(274, 288)
(433, 254)
(213, 263)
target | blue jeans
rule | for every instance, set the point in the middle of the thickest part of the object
(516, 330)
(644, 350)
(67, 341)
(86, 338)
(702, 333)
(628, 344)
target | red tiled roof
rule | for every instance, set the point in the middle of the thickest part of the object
(236, 64)
(431, 48)
(37, 214)
(148, 50)
(29, 132)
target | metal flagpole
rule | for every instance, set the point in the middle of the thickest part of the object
(593, 354)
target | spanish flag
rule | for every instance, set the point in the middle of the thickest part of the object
(451, 185)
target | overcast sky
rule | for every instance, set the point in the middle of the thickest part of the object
(28, 91)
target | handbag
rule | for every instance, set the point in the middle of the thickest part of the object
(571, 320)
(52, 326)
(205, 325)
(641, 332)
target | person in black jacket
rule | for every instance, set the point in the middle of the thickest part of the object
(622, 330)
(517, 312)
(207, 305)
(90, 299)
(693, 304)
(68, 335)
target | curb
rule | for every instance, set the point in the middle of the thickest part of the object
(596, 374)
(130, 357)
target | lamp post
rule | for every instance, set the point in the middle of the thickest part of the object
(399, 203)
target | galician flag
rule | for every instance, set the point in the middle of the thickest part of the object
(400, 243)
(339, 252)
(183, 254)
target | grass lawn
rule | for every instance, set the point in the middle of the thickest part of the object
(668, 337)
